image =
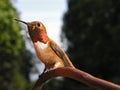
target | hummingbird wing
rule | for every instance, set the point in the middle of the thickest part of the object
(60, 53)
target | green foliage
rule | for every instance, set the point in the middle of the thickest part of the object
(14, 58)
(92, 30)
(54, 84)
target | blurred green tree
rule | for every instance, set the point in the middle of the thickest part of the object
(14, 58)
(93, 35)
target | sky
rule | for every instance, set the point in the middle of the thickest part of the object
(49, 12)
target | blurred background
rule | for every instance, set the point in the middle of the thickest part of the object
(88, 30)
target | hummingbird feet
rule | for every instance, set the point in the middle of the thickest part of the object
(56, 65)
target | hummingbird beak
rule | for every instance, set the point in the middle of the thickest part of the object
(21, 21)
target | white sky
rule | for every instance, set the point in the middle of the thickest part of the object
(50, 12)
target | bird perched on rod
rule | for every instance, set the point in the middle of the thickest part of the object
(46, 49)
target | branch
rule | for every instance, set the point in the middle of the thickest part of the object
(78, 75)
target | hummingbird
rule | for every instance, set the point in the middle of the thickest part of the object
(47, 50)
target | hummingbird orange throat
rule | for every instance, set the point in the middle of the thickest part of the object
(46, 49)
(42, 36)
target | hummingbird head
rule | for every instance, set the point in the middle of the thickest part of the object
(37, 31)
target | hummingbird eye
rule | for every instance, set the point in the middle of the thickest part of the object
(38, 24)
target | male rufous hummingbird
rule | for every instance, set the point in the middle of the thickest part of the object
(46, 49)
